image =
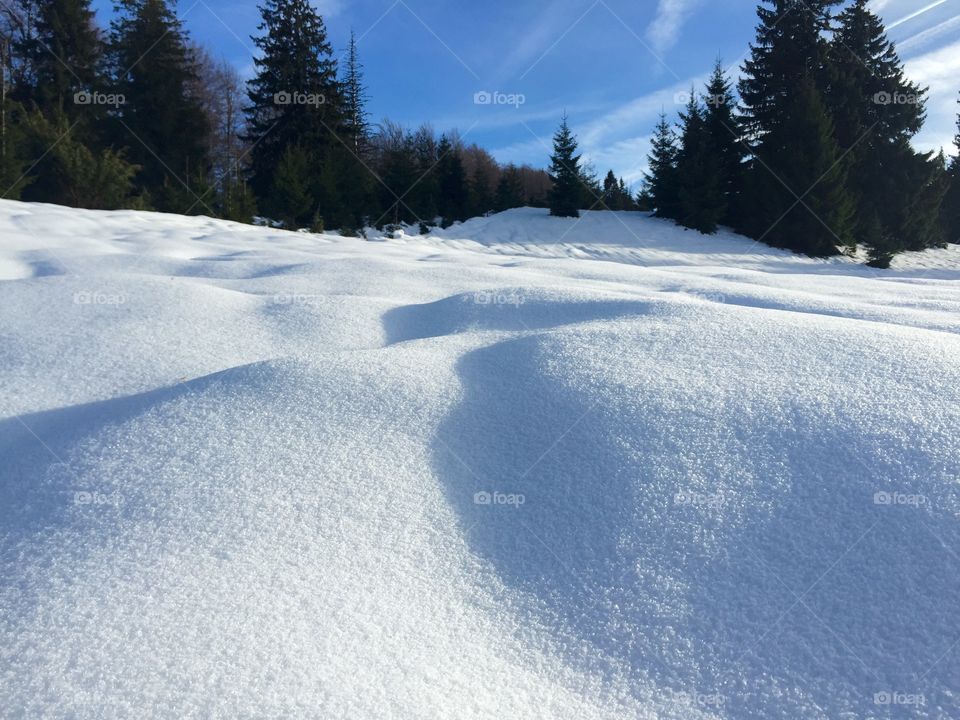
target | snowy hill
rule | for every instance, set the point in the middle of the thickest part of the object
(523, 468)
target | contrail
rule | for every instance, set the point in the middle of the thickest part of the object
(918, 13)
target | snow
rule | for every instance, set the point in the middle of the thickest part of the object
(523, 467)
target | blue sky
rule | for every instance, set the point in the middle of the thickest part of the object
(610, 64)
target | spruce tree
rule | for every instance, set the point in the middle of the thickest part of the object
(65, 53)
(291, 196)
(611, 192)
(565, 172)
(950, 209)
(700, 198)
(163, 120)
(789, 49)
(295, 98)
(661, 178)
(726, 143)
(795, 190)
(452, 183)
(876, 112)
(355, 100)
(805, 208)
(509, 189)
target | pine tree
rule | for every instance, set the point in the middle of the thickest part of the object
(64, 52)
(295, 98)
(950, 208)
(452, 181)
(162, 121)
(75, 175)
(661, 179)
(789, 49)
(510, 189)
(700, 198)
(726, 143)
(795, 190)
(291, 197)
(481, 194)
(565, 172)
(805, 208)
(355, 100)
(876, 112)
(611, 192)
(14, 160)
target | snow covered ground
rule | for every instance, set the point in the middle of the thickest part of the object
(523, 468)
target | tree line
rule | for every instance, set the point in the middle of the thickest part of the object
(139, 116)
(816, 157)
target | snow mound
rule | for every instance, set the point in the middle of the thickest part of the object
(477, 474)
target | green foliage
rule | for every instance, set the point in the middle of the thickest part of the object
(15, 166)
(661, 178)
(74, 174)
(701, 203)
(798, 182)
(162, 121)
(509, 189)
(290, 197)
(565, 172)
(295, 98)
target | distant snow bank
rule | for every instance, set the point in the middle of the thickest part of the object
(523, 467)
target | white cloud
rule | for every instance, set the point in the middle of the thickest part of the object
(926, 37)
(916, 14)
(940, 70)
(664, 32)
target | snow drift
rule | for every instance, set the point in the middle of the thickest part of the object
(524, 467)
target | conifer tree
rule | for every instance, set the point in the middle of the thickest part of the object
(726, 143)
(452, 182)
(355, 100)
(796, 194)
(805, 208)
(162, 121)
(661, 178)
(699, 185)
(876, 112)
(64, 52)
(565, 172)
(950, 208)
(509, 189)
(290, 195)
(611, 192)
(295, 98)
(481, 194)
(789, 49)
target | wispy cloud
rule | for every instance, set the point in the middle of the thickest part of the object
(664, 32)
(939, 70)
(922, 39)
(916, 14)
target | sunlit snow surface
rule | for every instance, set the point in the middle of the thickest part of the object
(523, 468)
